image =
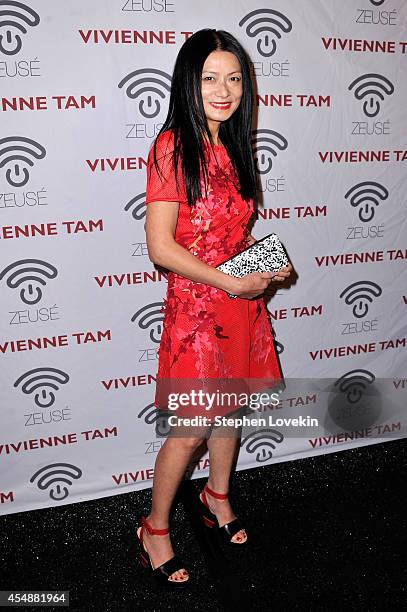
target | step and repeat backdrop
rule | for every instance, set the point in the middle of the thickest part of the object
(84, 90)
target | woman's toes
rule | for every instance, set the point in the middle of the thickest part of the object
(179, 576)
(240, 536)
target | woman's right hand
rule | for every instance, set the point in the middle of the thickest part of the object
(253, 284)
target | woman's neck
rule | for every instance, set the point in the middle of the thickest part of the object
(214, 130)
(215, 139)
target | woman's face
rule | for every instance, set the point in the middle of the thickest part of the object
(221, 87)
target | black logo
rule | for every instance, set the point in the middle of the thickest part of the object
(376, 2)
(361, 294)
(354, 383)
(279, 347)
(29, 273)
(373, 87)
(40, 381)
(355, 403)
(262, 441)
(366, 196)
(19, 175)
(15, 16)
(265, 144)
(139, 202)
(152, 415)
(63, 474)
(266, 24)
(151, 86)
(151, 315)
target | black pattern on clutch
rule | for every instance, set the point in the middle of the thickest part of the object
(265, 255)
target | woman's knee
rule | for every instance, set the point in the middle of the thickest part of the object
(187, 444)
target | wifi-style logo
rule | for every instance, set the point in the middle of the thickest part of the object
(263, 442)
(366, 196)
(30, 273)
(42, 382)
(152, 316)
(266, 25)
(355, 403)
(361, 295)
(55, 476)
(265, 144)
(152, 415)
(151, 86)
(14, 17)
(373, 87)
(137, 206)
(17, 154)
(354, 383)
(279, 347)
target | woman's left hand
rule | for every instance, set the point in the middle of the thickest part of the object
(282, 274)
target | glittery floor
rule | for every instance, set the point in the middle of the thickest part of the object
(326, 533)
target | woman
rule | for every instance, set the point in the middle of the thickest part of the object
(201, 184)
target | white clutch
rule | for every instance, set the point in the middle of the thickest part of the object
(265, 255)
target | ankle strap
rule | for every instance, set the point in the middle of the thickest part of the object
(151, 530)
(214, 494)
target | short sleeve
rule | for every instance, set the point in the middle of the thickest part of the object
(162, 185)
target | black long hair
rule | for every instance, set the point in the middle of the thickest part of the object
(186, 115)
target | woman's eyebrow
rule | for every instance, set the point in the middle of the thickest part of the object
(214, 72)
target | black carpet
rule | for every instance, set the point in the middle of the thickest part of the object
(326, 533)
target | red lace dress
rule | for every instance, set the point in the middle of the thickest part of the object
(209, 341)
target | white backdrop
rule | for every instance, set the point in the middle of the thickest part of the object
(80, 300)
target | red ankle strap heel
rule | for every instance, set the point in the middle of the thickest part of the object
(166, 569)
(151, 530)
(209, 518)
(214, 494)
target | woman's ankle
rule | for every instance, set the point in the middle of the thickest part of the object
(157, 522)
(219, 487)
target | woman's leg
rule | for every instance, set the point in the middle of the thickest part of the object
(222, 447)
(171, 463)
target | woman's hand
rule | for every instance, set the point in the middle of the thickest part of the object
(282, 274)
(254, 284)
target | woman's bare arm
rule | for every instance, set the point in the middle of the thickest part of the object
(161, 222)
(163, 250)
